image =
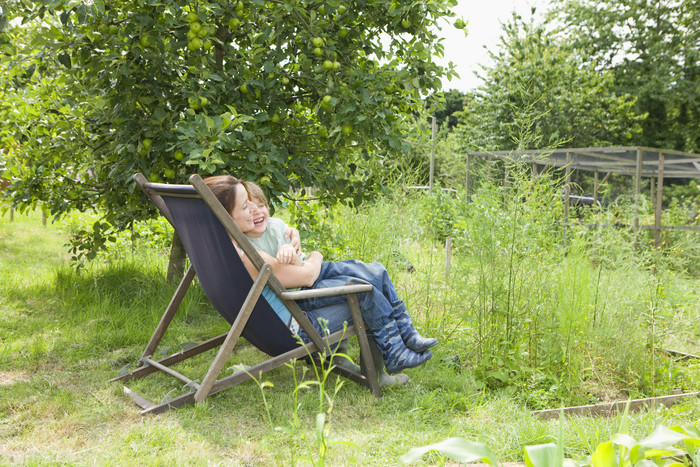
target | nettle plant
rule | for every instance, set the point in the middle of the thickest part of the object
(288, 93)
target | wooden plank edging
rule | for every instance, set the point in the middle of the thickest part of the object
(612, 408)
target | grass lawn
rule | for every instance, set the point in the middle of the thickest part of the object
(63, 335)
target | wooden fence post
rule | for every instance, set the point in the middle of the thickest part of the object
(448, 257)
(659, 201)
(466, 181)
(432, 156)
(637, 194)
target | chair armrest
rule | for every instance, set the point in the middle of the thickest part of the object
(326, 291)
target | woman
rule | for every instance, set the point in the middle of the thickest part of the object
(385, 315)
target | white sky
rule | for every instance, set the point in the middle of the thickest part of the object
(484, 18)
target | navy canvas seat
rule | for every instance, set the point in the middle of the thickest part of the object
(206, 229)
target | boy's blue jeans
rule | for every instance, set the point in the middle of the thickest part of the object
(378, 307)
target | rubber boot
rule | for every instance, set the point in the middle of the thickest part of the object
(383, 378)
(343, 361)
(396, 355)
(410, 336)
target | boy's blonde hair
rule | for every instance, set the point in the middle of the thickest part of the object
(256, 192)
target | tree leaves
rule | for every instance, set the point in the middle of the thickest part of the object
(540, 93)
(651, 50)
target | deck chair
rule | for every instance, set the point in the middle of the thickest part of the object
(204, 227)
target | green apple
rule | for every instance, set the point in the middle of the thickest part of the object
(342, 32)
(318, 51)
(146, 144)
(275, 118)
(326, 102)
(195, 44)
(317, 41)
(169, 173)
(285, 80)
(406, 23)
(244, 88)
(145, 41)
(113, 29)
(192, 17)
(347, 129)
(336, 65)
(196, 27)
(179, 155)
(234, 23)
(328, 65)
(341, 9)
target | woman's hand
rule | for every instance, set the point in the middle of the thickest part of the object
(313, 263)
(294, 240)
(315, 256)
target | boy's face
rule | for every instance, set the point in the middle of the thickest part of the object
(260, 218)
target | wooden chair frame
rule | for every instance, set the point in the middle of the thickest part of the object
(211, 384)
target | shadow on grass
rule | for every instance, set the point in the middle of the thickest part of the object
(105, 309)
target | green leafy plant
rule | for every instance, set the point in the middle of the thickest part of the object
(674, 446)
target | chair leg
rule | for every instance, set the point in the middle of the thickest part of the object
(169, 313)
(182, 355)
(365, 353)
(234, 334)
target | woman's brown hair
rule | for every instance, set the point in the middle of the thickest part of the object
(224, 188)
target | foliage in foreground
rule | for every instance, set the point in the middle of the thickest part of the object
(676, 446)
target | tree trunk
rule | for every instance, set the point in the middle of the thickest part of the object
(176, 266)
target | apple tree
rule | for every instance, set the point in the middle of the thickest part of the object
(288, 93)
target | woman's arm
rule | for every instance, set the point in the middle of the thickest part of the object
(289, 275)
(292, 275)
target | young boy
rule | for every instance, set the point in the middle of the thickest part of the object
(273, 235)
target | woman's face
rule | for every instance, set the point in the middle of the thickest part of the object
(242, 210)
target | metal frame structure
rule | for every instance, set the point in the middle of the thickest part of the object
(636, 161)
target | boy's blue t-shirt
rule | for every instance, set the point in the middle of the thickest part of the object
(280, 309)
